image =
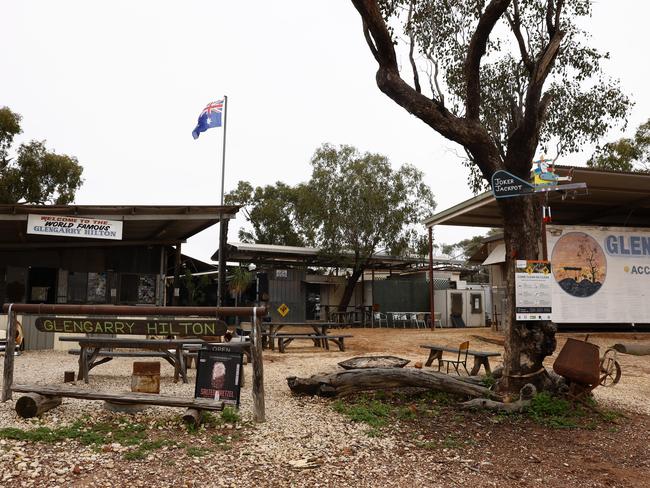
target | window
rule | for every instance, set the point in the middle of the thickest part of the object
(77, 287)
(129, 288)
(477, 303)
(96, 287)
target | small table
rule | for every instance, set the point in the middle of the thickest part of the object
(481, 358)
(170, 350)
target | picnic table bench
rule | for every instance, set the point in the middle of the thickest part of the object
(94, 351)
(481, 358)
(320, 340)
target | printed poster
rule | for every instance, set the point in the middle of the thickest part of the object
(533, 290)
(219, 375)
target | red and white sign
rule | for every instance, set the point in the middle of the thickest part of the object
(59, 225)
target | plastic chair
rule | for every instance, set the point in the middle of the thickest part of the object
(378, 318)
(463, 350)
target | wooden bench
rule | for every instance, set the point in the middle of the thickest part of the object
(481, 358)
(320, 340)
(191, 351)
(41, 398)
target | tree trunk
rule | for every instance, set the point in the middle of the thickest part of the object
(356, 380)
(349, 289)
(527, 343)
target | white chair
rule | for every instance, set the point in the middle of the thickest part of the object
(378, 318)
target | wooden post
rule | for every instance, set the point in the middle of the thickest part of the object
(34, 405)
(8, 374)
(258, 370)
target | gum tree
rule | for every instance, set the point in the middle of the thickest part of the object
(500, 78)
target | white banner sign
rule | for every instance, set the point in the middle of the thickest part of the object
(601, 274)
(57, 225)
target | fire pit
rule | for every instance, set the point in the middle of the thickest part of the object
(363, 362)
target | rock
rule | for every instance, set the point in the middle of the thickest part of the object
(76, 469)
(418, 365)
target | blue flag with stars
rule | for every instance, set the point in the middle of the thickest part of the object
(210, 117)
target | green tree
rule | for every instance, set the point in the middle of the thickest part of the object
(240, 280)
(271, 211)
(504, 77)
(35, 175)
(196, 287)
(625, 154)
(357, 205)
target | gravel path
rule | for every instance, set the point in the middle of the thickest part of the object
(296, 428)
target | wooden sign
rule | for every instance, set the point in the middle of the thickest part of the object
(112, 325)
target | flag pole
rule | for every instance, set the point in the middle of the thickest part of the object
(221, 284)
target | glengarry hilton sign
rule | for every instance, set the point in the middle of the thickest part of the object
(60, 225)
(139, 326)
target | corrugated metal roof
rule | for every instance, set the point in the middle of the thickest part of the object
(612, 198)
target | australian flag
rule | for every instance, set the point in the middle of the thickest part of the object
(210, 117)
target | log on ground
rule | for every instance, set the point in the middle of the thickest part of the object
(193, 417)
(33, 405)
(344, 383)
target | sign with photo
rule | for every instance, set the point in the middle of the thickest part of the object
(533, 290)
(219, 374)
(600, 274)
(60, 225)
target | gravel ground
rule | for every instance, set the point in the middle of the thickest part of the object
(297, 429)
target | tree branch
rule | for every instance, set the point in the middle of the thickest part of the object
(515, 25)
(476, 50)
(416, 78)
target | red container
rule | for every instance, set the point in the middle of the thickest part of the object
(579, 361)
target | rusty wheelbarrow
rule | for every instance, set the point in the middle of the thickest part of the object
(584, 370)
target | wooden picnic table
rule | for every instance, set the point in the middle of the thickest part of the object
(98, 350)
(481, 358)
(272, 328)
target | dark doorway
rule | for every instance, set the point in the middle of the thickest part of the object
(42, 285)
(312, 307)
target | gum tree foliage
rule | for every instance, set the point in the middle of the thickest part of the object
(271, 211)
(359, 205)
(500, 78)
(625, 154)
(34, 175)
(354, 205)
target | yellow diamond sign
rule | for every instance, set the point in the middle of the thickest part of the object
(283, 310)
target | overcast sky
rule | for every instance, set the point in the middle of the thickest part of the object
(120, 84)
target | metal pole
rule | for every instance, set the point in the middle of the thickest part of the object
(222, 264)
(431, 284)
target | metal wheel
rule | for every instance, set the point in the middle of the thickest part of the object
(610, 369)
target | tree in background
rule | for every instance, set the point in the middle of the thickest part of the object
(354, 206)
(502, 77)
(358, 205)
(35, 175)
(625, 154)
(240, 280)
(271, 212)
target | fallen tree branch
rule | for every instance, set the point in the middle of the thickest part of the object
(347, 382)
(525, 396)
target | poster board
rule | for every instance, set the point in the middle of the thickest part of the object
(533, 290)
(601, 274)
(219, 374)
(87, 227)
